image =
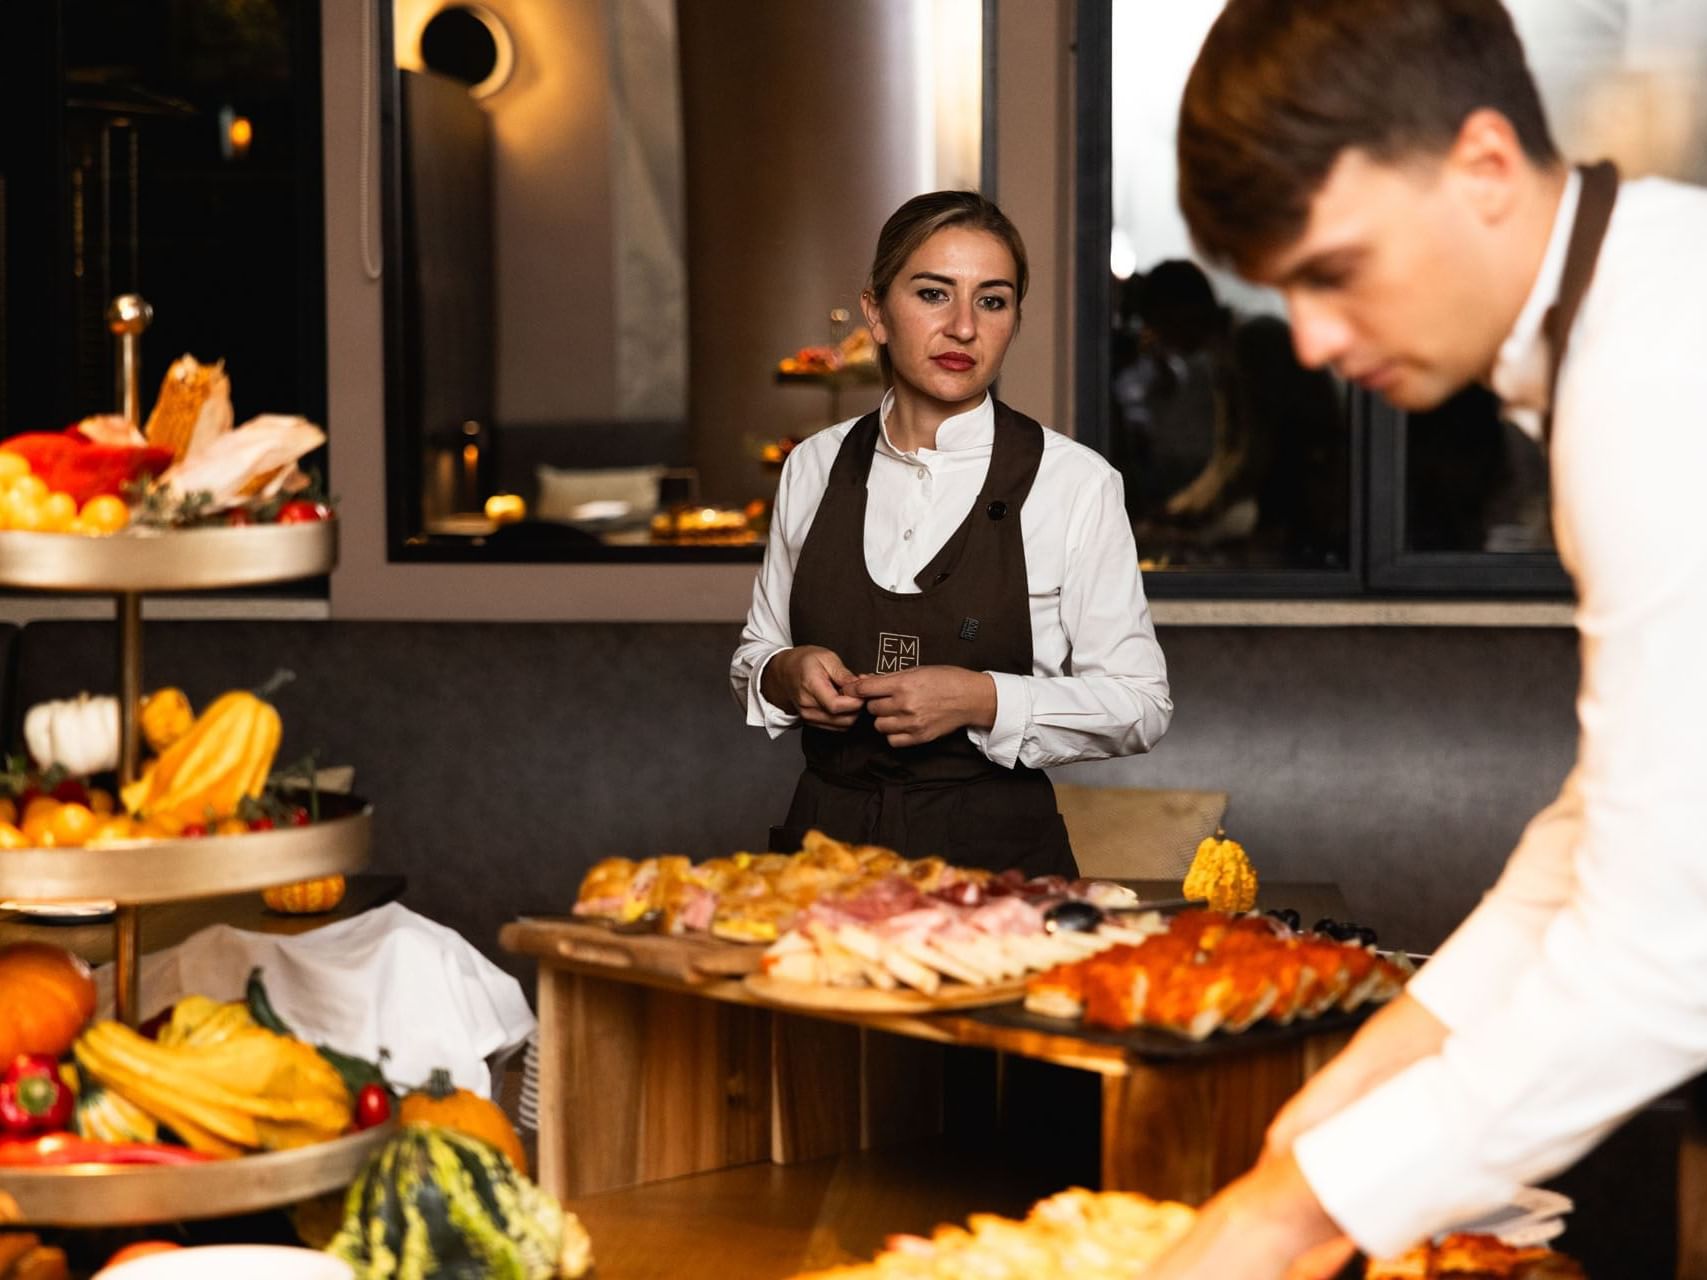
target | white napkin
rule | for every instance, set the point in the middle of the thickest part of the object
(387, 978)
(1534, 1217)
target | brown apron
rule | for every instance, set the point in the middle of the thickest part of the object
(1598, 194)
(972, 610)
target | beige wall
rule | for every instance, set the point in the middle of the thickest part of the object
(1034, 92)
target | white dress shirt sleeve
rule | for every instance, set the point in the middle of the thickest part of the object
(1114, 699)
(1476, 968)
(1612, 1010)
(767, 631)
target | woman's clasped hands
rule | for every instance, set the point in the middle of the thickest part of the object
(911, 707)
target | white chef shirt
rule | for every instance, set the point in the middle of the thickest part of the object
(1098, 686)
(1577, 990)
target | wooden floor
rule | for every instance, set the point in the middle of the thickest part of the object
(769, 1222)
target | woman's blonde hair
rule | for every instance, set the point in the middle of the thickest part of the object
(922, 217)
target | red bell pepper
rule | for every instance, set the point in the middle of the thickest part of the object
(70, 462)
(33, 1098)
(56, 1149)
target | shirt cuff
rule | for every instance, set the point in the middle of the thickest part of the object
(761, 713)
(1393, 1167)
(1001, 742)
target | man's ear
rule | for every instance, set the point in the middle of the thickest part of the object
(873, 317)
(1487, 163)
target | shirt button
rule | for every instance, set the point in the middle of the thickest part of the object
(923, 473)
(907, 534)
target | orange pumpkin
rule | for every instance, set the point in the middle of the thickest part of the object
(440, 1102)
(306, 897)
(46, 995)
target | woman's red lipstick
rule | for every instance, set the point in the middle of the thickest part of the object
(954, 361)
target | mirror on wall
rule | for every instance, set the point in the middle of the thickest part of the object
(626, 241)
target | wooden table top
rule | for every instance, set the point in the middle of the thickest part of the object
(167, 924)
(542, 939)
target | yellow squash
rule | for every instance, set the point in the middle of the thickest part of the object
(166, 717)
(225, 756)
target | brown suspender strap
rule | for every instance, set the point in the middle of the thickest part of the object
(1594, 211)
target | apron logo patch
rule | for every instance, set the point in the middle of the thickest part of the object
(896, 653)
(969, 628)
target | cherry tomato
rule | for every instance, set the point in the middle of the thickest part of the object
(142, 1249)
(299, 817)
(193, 829)
(239, 516)
(262, 824)
(300, 511)
(70, 791)
(373, 1106)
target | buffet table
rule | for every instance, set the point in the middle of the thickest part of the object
(645, 1076)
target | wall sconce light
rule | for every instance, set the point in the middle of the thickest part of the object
(470, 43)
(236, 134)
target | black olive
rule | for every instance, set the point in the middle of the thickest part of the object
(1292, 919)
(1366, 936)
(1327, 925)
(1072, 916)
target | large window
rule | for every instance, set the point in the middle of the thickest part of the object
(1247, 474)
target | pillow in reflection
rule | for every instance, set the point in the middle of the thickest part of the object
(570, 494)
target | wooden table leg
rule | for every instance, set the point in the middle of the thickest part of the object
(638, 1084)
(1182, 1130)
(1692, 1188)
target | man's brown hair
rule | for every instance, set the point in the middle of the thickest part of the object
(1282, 87)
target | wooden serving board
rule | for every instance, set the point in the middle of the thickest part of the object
(812, 995)
(686, 957)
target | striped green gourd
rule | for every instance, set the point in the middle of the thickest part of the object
(433, 1204)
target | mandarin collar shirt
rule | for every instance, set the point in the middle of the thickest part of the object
(1098, 685)
(1577, 990)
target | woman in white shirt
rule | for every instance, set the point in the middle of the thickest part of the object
(950, 599)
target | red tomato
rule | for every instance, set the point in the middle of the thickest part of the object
(299, 817)
(239, 516)
(71, 791)
(193, 829)
(262, 824)
(373, 1106)
(303, 512)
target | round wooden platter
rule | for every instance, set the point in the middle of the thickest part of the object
(811, 995)
(133, 1195)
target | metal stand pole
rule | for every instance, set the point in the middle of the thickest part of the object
(127, 316)
(127, 924)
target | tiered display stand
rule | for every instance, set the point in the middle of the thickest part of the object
(136, 873)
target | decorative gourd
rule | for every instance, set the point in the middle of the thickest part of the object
(305, 897)
(104, 1116)
(166, 717)
(434, 1202)
(79, 734)
(1222, 875)
(440, 1102)
(46, 995)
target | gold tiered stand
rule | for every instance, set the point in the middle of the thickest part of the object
(135, 873)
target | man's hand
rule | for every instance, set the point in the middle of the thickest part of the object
(811, 682)
(1266, 1226)
(1402, 1033)
(925, 703)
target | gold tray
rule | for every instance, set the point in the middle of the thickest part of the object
(116, 1195)
(168, 560)
(137, 872)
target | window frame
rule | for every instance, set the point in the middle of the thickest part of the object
(1377, 562)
